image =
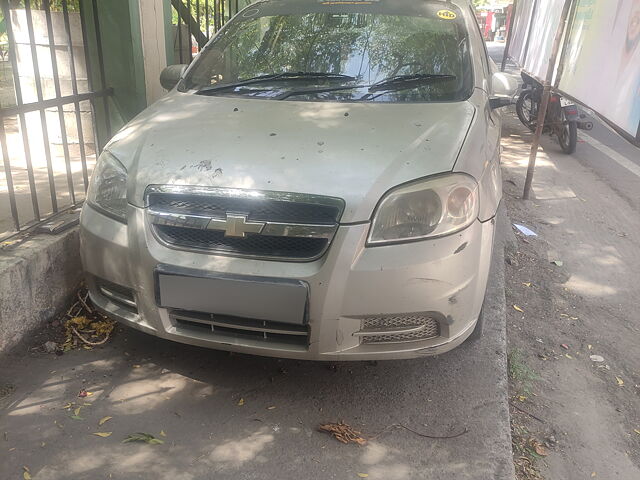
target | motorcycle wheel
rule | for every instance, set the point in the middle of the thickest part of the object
(568, 136)
(527, 110)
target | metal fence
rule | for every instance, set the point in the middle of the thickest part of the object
(47, 107)
(195, 21)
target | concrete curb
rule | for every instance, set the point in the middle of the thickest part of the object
(37, 277)
(496, 309)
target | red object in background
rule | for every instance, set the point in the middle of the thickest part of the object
(487, 26)
(508, 22)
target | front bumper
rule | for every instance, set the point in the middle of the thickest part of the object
(446, 277)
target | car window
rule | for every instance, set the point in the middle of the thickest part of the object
(368, 46)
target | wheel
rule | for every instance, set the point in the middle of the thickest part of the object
(527, 109)
(568, 136)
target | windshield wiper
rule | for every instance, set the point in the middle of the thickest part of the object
(401, 82)
(312, 91)
(275, 76)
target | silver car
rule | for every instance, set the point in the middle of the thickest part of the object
(320, 183)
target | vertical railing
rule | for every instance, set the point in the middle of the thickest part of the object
(195, 21)
(40, 76)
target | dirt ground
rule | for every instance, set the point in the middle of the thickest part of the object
(572, 316)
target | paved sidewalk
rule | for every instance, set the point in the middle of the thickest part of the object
(585, 210)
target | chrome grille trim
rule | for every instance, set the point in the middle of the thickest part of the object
(274, 229)
(241, 214)
(398, 328)
(242, 193)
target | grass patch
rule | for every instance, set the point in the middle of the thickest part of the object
(519, 371)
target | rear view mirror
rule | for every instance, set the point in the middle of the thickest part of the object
(171, 75)
(504, 88)
(503, 85)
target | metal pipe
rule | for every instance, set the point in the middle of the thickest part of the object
(546, 94)
(507, 45)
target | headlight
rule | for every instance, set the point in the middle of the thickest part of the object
(425, 209)
(108, 187)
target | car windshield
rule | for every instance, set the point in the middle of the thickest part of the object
(392, 51)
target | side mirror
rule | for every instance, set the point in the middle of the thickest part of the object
(504, 88)
(171, 75)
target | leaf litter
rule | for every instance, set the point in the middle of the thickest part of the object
(142, 437)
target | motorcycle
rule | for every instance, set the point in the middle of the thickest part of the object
(562, 119)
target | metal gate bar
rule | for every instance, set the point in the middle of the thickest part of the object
(58, 102)
(74, 90)
(63, 127)
(23, 123)
(198, 16)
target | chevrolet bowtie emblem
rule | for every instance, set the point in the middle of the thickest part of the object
(236, 225)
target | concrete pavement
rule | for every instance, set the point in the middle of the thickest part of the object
(243, 417)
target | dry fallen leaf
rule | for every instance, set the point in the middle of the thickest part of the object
(143, 437)
(619, 381)
(526, 284)
(241, 402)
(541, 450)
(102, 434)
(518, 309)
(637, 431)
(343, 433)
(522, 398)
(67, 406)
(76, 417)
(26, 474)
(363, 475)
(104, 420)
(568, 356)
(162, 434)
(76, 412)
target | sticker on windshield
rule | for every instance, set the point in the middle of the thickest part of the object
(446, 14)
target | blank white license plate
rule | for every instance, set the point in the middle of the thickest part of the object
(276, 300)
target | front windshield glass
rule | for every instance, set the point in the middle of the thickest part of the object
(394, 51)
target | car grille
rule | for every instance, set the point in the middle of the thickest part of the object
(272, 211)
(226, 327)
(399, 328)
(261, 245)
(273, 225)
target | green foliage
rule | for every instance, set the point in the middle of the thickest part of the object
(519, 371)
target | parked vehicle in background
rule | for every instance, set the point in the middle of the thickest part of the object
(321, 183)
(562, 120)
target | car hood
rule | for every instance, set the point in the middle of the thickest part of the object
(354, 151)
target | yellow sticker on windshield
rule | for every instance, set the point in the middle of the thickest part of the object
(446, 14)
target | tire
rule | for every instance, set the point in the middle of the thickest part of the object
(568, 137)
(527, 109)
